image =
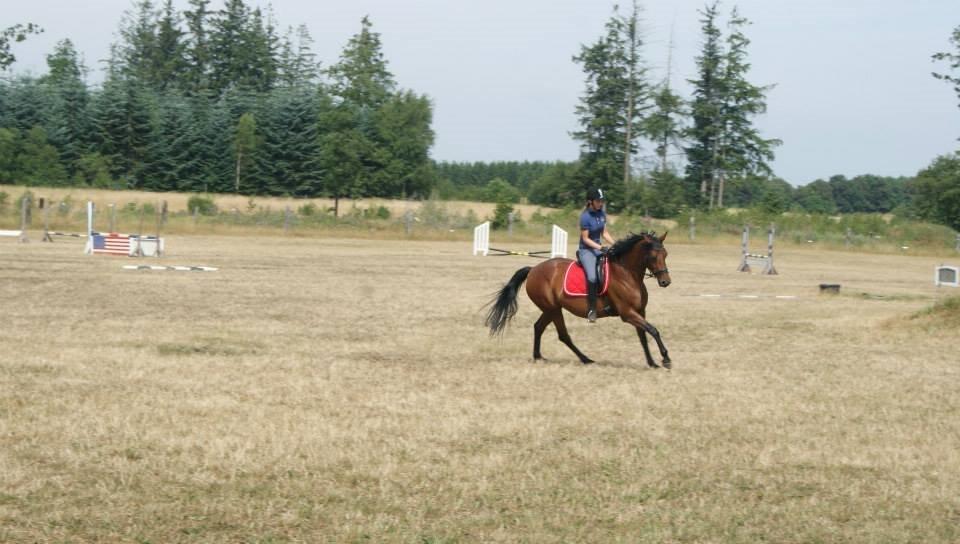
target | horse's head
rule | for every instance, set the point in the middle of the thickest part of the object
(655, 258)
(645, 254)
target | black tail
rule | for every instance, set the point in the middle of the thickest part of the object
(505, 303)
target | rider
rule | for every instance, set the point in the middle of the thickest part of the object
(593, 230)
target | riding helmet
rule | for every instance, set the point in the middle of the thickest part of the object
(595, 194)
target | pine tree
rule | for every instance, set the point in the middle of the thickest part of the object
(725, 144)
(361, 76)
(405, 137)
(138, 47)
(292, 147)
(743, 151)
(361, 84)
(174, 152)
(122, 115)
(706, 108)
(228, 43)
(197, 48)
(9, 153)
(70, 121)
(38, 163)
(611, 107)
(169, 63)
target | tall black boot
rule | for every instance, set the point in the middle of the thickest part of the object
(591, 301)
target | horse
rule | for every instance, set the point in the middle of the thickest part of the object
(630, 258)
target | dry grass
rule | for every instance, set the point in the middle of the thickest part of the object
(177, 202)
(332, 390)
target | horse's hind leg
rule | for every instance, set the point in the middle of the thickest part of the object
(538, 328)
(565, 337)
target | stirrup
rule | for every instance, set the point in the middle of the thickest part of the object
(592, 315)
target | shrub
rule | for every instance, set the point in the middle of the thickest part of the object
(202, 205)
(380, 212)
(308, 210)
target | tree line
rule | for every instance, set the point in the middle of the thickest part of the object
(223, 101)
(217, 101)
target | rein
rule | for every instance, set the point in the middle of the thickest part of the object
(656, 273)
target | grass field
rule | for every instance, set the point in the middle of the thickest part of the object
(338, 390)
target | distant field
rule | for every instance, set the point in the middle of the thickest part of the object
(177, 202)
(345, 390)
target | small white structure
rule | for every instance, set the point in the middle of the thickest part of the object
(559, 243)
(946, 275)
(481, 239)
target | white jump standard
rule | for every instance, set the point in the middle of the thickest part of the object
(757, 260)
(20, 235)
(481, 244)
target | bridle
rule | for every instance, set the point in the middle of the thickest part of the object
(654, 273)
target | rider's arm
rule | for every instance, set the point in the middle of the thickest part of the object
(607, 237)
(585, 236)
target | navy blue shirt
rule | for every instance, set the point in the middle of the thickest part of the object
(595, 222)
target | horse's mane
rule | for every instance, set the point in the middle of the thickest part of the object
(624, 245)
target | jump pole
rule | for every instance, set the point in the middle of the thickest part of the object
(481, 244)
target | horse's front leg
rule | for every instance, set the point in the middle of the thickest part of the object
(644, 327)
(646, 348)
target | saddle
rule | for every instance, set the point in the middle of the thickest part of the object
(575, 280)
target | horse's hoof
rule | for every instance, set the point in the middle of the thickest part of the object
(587, 361)
(666, 365)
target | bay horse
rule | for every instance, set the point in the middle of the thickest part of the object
(630, 259)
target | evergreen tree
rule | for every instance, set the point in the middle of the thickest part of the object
(404, 137)
(228, 46)
(743, 151)
(122, 116)
(169, 63)
(9, 153)
(360, 85)
(361, 76)
(138, 47)
(297, 63)
(611, 107)
(70, 121)
(197, 48)
(706, 108)
(26, 104)
(292, 146)
(174, 151)
(38, 163)
(725, 144)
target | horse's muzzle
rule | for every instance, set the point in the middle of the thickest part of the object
(663, 281)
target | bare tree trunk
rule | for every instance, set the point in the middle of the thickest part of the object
(237, 180)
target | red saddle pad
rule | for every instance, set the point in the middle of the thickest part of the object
(575, 282)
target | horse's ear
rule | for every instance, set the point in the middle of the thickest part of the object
(664, 237)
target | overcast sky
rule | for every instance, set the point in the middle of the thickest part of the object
(853, 93)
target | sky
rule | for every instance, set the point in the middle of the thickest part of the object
(852, 89)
